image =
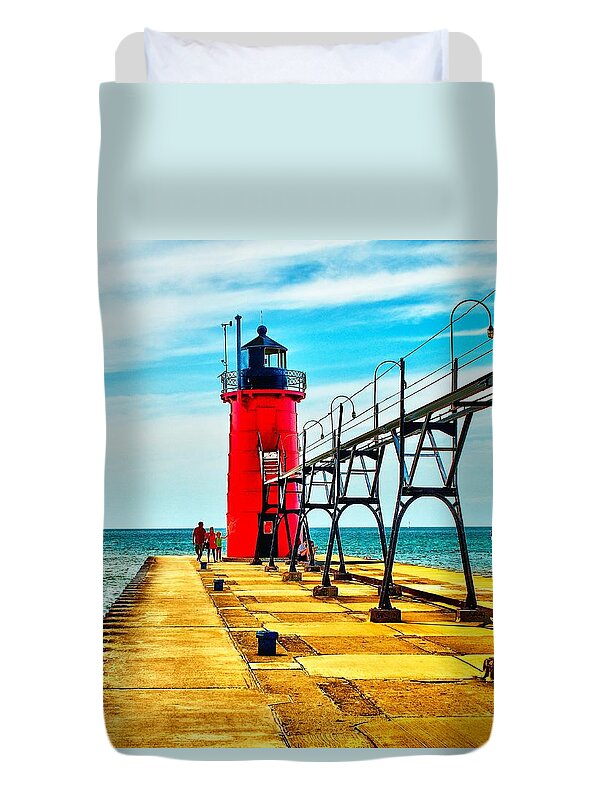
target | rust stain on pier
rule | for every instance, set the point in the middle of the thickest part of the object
(181, 667)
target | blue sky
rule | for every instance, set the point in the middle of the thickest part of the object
(339, 307)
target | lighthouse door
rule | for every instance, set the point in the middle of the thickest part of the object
(266, 539)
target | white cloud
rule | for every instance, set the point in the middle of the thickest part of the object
(134, 407)
(142, 267)
(146, 327)
(375, 286)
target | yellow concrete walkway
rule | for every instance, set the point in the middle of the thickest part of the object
(172, 677)
(427, 579)
(182, 670)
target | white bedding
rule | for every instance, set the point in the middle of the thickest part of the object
(419, 58)
(463, 64)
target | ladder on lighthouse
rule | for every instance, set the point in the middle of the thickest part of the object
(270, 464)
(271, 468)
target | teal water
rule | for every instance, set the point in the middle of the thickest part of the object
(125, 550)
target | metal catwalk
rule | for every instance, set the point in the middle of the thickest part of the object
(338, 470)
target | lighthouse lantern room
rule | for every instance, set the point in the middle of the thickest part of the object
(263, 437)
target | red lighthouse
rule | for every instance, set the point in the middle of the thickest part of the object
(263, 395)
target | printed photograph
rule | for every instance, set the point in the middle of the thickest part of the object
(298, 493)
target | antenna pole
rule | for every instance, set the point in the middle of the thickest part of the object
(238, 345)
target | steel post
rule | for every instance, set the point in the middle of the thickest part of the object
(384, 595)
(471, 596)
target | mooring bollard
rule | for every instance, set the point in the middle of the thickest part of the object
(267, 641)
(203, 565)
(218, 584)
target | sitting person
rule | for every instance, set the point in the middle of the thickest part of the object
(303, 551)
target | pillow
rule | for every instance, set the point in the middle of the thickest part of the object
(419, 58)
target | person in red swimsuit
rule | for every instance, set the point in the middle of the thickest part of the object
(199, 535)
(212, 544)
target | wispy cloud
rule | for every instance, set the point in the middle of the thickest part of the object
(162, 266)
(155, 298)
(153, 406)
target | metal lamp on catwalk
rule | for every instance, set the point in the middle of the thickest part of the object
(263, 395)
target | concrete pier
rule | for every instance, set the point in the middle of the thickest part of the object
(181, 667)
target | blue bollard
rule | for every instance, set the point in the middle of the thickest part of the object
(202, 565)
(267, 641)
(218, 584)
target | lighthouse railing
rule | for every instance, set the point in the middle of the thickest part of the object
(295, 380)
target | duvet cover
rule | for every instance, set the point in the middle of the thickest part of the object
(297, 295)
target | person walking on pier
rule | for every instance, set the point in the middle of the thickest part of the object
(218, 545)
(199, 535)
(212, 543)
